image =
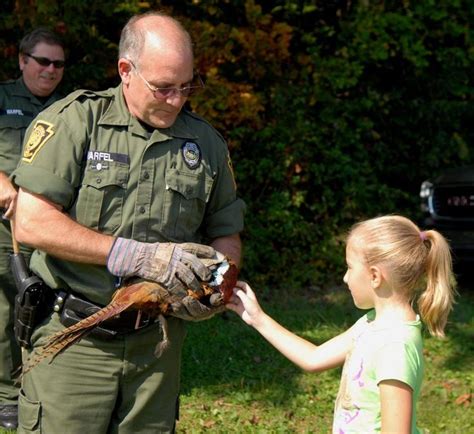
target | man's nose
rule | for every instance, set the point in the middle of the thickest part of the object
(176, 99)
(50, 68)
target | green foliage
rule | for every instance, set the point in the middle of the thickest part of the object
(334, 111)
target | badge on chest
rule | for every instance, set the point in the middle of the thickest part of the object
(192, 155)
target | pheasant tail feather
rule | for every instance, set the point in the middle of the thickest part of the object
(65, 338)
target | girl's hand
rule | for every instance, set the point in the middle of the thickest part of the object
(245, 304)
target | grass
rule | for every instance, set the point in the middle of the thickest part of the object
(234, 382)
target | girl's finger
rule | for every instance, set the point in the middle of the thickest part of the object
(242, 285)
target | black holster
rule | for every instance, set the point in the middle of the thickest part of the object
(33, 302)
(73, 308)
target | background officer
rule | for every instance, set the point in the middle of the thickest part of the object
(41, 60)
(111, 183)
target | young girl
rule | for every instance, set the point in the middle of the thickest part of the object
(388, 260)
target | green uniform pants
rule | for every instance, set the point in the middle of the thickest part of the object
(10, 354)
(104, 386)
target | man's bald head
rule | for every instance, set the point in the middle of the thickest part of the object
(153, 30)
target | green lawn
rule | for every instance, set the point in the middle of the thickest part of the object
(233, 381)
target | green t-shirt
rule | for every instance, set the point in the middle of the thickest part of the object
(88, 154)
(379, 352)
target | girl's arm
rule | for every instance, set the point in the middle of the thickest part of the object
(396, 406)
(301, 352)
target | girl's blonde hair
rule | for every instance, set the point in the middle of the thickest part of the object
(413, 260)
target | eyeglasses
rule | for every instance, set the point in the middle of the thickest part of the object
(166, 92)
(44, 61)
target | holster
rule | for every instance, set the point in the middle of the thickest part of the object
(33, 302)
(73, 308)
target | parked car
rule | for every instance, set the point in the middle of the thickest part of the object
(447, 202)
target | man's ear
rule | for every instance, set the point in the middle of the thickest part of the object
(125, 70)
(376, 276)
(22, 60)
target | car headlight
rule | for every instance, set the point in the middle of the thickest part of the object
(426, 189)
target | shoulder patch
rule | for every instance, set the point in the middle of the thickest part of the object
(41, 133)
(231, 168)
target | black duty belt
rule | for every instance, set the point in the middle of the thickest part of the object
(72, 309)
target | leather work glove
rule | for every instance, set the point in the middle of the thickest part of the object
(191, 309)
(173, 265)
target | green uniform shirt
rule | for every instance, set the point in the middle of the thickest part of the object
(110, 173)
(18, 107)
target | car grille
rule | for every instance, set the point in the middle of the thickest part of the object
(457, 202)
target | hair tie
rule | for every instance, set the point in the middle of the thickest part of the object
(423, 236)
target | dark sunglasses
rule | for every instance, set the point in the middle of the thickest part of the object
(44, 61)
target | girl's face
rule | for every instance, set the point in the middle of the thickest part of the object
(358, 277)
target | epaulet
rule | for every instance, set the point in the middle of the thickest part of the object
(201, 119)
(195, 116)
(7, 82)
(78, 95)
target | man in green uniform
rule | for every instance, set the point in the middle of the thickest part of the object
(111, 183)
(41, 61)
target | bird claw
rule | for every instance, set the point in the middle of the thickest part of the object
(216, 299)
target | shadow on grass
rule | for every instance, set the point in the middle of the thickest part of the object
(224, 355)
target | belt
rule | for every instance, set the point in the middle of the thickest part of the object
(72, 309)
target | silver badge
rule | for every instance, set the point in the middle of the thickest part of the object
(191, 154)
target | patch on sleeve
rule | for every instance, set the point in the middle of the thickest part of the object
(42, 132)
(231, 168)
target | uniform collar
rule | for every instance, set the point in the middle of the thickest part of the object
(21, 90)
(117, 114)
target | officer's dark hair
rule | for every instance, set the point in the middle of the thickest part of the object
(132, 38)
(41, 34)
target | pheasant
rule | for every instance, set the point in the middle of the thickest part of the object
(144, 296)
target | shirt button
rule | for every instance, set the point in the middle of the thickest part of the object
(146, 175)
(142, 210)
(98, 180)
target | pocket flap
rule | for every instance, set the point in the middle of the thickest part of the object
(15, 122)
(28, 413)
(190, 185)
(108, 175)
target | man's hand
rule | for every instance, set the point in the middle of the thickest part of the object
(173, 265)
(191, 309)
(8, 196)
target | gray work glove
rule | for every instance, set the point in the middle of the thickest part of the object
(173, 265)
(191, 309)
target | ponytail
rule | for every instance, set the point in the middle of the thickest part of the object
(436, 301)
(413, 260)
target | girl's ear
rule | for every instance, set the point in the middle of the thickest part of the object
(376, 276)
